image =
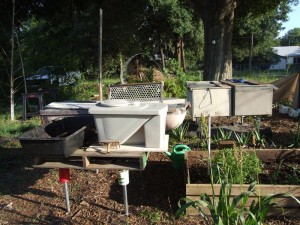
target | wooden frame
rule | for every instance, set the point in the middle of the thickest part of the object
(285, 207)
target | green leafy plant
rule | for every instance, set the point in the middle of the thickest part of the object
(175, 80)
(275, 174)
(203, 132)
(203, 127)
(152, 217)
(294, 176)
(180, 132)
(242, 139)
(258, 140)
(296, 137)
(12, 129)
(291, 173)
(225, 210)
(222, 135)
(235, 166)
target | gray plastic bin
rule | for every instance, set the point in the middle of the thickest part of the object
(59, 138)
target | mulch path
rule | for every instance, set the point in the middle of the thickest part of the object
(35, 196)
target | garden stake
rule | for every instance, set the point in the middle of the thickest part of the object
(209, 136)
(64, 177)
(124, 180)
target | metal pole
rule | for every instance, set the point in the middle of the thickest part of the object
(125, 199)
(67, 196)
(123, 178)
(100, 55)
(64, 177)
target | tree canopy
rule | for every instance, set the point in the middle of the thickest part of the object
(63, 32)
(292, 37)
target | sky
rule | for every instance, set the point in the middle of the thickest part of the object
(293, 22)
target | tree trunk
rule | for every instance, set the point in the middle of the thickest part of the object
(250, 53)
(178, 49)
(182, 57)
(162, 57)
(217, 17)
(22, 64)
(11, 83)
(180, 53)
(121, 69)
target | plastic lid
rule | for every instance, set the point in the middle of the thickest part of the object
(114, 103)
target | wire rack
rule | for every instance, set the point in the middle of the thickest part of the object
(144, 92)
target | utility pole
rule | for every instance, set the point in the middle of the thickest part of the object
(290, 39)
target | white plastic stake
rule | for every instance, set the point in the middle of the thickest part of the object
(209, 135)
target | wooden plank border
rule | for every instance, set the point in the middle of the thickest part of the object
(285, 207)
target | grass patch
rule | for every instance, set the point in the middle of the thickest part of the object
(11, 129)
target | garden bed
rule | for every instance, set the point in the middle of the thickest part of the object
(198, 180)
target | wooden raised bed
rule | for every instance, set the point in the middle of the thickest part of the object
(285, 206)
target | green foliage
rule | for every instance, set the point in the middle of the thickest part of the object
(194, 48)
(194, 75)
(235, 166)
(275, 174)
(83, 90)
(242, 139)
(222, 135)
(11, 129)
(226, 211)
(111, 66)
(266, 76)
(172, 88)
(203, 132)
(295, 137)
(152, 217)
(264, 26)
(175, 82)
(294, 176)
(258, 140)
(179, 133)
(291, 38)
(203, 127)
(290, 172)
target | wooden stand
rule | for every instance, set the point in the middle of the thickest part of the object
(82, 159)
(94, 160)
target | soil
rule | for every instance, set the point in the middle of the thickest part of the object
(35, 196)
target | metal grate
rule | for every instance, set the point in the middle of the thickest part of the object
(144, 92)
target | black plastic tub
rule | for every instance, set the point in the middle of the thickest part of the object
(59, 138)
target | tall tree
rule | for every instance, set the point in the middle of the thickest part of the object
(218, 17)
(253, 37)
(168, 23)
(292, 37)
